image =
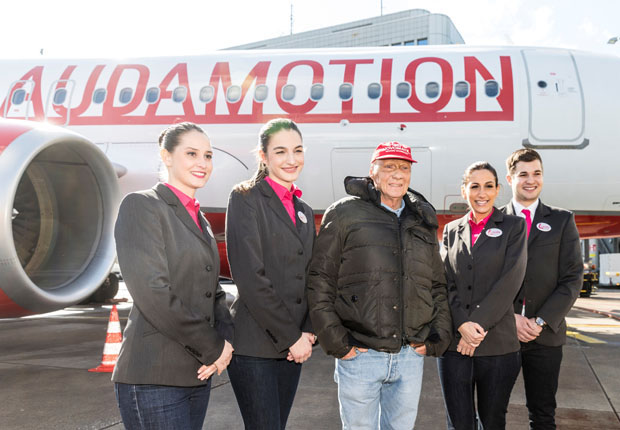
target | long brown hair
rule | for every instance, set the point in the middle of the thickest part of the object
(266, 132)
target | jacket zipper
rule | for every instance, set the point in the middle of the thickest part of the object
(400, 286)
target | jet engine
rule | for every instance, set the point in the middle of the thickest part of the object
(59, 198)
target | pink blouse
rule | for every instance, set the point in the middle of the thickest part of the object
(192, 205)
(286, 196)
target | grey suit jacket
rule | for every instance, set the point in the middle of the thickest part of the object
(171, 270)
(269, 257)
(484, 279)
(554, 272)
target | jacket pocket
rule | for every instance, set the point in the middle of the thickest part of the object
(357, 309)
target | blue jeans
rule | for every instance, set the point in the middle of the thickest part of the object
(159, 407)
(491, 377)
(379, 390)
(265, 389)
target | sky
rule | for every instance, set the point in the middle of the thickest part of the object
(139, 28)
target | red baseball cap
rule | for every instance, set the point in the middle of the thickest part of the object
(392, 150)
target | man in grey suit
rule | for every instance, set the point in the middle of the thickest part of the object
(552, 283)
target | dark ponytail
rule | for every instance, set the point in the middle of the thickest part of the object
(169, 138)
(266, 132)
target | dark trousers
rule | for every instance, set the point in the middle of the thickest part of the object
(265, 389)
(541, 371)
(492, 378)
(159, 407)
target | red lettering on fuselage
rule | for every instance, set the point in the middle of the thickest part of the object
(387, 109)
(317, 78)
(34, 75)
(221, 73)
(117, 114)
(349, 77)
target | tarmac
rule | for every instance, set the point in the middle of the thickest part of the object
(44, 382)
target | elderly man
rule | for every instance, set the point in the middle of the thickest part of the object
(377, 293)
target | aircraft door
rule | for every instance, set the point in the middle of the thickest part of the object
(58, 104)
(556, 103)
(356, 162)
(18, 100)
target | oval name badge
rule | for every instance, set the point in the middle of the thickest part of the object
(543, 226)
(302, 217)
(494, 232)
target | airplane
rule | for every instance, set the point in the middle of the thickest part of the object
(76, 135)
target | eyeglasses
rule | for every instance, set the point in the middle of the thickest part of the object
(393, 167)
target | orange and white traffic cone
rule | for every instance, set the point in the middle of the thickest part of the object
(112, 346)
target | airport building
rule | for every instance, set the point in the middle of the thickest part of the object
(410, 27)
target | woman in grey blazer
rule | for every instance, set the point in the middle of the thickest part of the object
(269, 234)
(175, 335)
(484, 256)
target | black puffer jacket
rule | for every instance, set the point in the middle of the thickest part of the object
(375, 280)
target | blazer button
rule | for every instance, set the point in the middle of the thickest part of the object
(354, 299)
(469, 266)
(300, 276)
(208, 318)
(466, 306)
(469, 287)
(208, 268)
(300, 251)
(208, 294)
(298, 301)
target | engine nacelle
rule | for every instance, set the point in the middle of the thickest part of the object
(58, 204)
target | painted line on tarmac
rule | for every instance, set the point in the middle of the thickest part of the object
(583, 337)
(594, 325)
(607, 314)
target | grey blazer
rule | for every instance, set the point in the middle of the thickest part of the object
(484, 279)
(554, 272)
(171, 270)
(268, 257)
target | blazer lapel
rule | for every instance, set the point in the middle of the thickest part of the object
(168, 196)
(541, 212)
(302, 227)
(496, 217)
(464, 232)
(510, 209)
(277, 207)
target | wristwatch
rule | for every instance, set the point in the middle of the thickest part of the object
(540, 322)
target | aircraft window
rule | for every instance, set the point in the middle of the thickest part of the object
(397, 44)
(99, 95)
(260, 93)
(233, 93)
(374, 90)
(179, 94)
(461, 89)
(288, 92)
(316, 92)
(542, 84)
(152, 95)
(423, 41)
(409, 42)
(19, 96)
(60, 95)
(403, 90)
(125, 95)
(206, 94)
(491, 88)
(432, 90)
(346, 91)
